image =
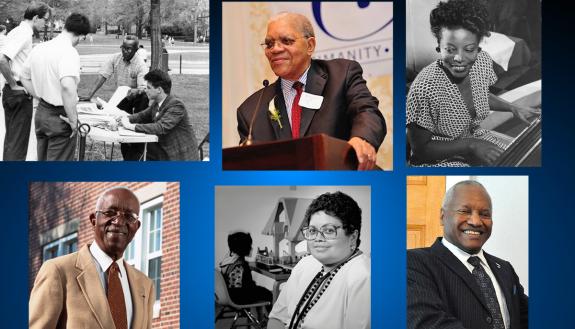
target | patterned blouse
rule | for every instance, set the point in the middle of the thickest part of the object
(435, 103)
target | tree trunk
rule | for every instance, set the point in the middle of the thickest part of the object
(140, 20)
(156, 37)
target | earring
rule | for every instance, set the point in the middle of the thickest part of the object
(438, 49)
(478, 49)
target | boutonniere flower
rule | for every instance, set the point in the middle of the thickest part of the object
(274, 113)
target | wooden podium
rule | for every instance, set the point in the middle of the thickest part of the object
(317, 152)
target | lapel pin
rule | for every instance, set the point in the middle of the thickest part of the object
(498, 266)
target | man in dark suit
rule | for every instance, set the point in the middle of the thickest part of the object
(330, 97)
(455, 284)
(94, 288)
(166, 117)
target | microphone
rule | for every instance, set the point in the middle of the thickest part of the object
(249, 140)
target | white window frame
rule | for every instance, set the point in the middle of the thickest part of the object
(140, 242)
(60, 243)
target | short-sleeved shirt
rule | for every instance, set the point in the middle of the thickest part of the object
(17, 46)
(129, 74)
(48, 63)
(343, 305)
(435, 103)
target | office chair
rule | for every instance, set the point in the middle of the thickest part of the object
(227, 305)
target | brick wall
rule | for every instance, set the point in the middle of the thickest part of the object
(52, 204)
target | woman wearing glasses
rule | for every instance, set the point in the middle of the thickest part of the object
(450, 97)
(331, 287)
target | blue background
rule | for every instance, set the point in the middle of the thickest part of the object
(551, 197)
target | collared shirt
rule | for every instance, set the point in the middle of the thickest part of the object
(48, 63)
(289, 91)
(103, 262)
(463, 257)
(17, 47)
(129, 74)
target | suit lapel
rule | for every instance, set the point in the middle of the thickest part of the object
(315, 84)
(280, 105)
(138, 298)
(458, 268)
(159, 111)
(92, 289)
(503, 281)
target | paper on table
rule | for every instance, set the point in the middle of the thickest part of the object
(126, 132)
(119, 94)
(85, 107)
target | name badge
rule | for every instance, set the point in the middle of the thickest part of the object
(310, 101)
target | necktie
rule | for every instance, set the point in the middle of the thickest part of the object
(488, 291)
(296, 110)
(116, 297)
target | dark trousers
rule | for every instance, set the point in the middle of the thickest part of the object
(18, 119)
(53, 134)
(133, 151)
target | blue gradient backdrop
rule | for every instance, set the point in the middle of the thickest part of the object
(551, 187)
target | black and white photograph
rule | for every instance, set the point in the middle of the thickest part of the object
(473, 83)
(293, 257)
(120, 81)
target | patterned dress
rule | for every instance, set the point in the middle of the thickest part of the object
(435, 103)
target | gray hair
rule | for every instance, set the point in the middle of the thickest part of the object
(451, 192)
(108, 190)
(302, 23)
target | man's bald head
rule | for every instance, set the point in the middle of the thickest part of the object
(289, 45)
(466, 215)
(299, 21)
(125, 192)
(449, 195)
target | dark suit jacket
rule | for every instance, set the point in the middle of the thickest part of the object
(348, 108)
(172, 125)
(68, 294)
(442, 293)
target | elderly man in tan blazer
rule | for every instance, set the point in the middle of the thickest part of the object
(94, 288)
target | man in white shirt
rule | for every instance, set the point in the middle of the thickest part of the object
(16, 101)
(94, 288)
(52, 73)
(454, 283)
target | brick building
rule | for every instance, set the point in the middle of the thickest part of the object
(59, 224)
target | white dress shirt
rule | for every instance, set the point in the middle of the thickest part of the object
(103, 262)
(17, 46)
(463, 257)
(48, 63)
(289, 91)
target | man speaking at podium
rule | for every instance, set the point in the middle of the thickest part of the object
(311, 96)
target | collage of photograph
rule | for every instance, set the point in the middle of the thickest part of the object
(326, 196)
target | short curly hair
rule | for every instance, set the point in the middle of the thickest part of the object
(341, 206)
(240, 243)
(471, 15)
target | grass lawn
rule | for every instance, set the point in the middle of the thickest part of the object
(190, 89)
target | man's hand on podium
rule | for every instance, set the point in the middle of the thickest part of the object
(366, 154)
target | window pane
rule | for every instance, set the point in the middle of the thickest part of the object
(155, 229)
(129, 252)
(154, 273)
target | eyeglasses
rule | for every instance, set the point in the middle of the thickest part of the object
(329, 232)
(129, 216)
(283, 42)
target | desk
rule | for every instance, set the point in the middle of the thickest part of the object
(278, 279)
(107, 136)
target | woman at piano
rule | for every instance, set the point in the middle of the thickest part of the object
(450, 97)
